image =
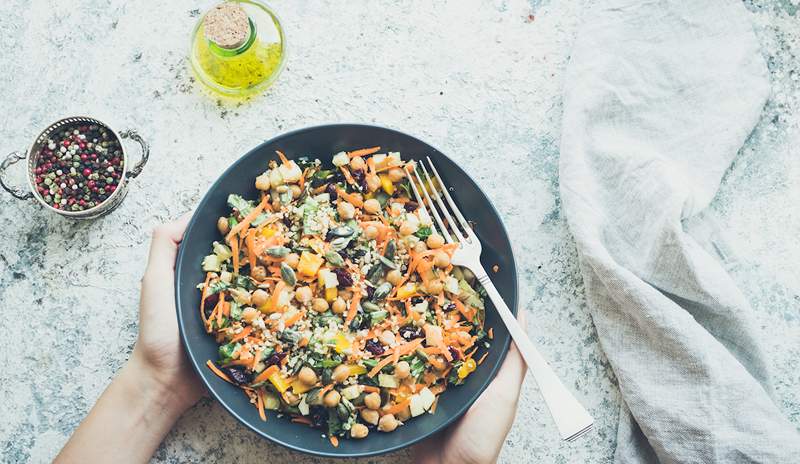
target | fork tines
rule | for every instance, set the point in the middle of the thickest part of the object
(440, 212)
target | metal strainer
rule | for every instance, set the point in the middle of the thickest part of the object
(114, 200)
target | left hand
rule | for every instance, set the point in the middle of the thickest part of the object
(158, 351)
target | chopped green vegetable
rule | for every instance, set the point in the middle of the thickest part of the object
(423, 233)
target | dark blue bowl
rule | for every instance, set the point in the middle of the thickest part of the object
(322, 142)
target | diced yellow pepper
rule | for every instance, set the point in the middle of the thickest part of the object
(387, 184)
(268, 232)
(280, 382)
(355, 369)
(299, 387)
(406, 290)
(342, 343)
(467, 368)
(309, 264)
(331, 294)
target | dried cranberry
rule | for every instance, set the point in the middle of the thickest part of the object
(344, 277)
(370, 292)
(411, 206)
(211, 301)
(319, 417)
(237, 374)
(331, 190)
(409, 332)
(374, 347)
(454, 352)
(276, 358)
(361, 180)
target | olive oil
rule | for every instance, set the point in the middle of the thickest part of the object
(249, 68)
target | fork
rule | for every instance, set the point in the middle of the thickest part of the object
(571, 418)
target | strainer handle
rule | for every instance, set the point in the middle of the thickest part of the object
(13, 158)
(137, 168)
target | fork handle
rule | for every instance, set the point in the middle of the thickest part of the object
(570, 416)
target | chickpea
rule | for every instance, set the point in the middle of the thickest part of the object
(339, 306)
(345, 294)
(292, 259)
(407, 228)
(394, 277)
(373, 182)
(319, 305)
(307, 376)
(303, 294)
(346, 210)
(296, 191)
(387, 337)
(370, 416)
(341, 373)
(331, 399)
(249, 314)
(434, 287)
(396, 174)
(373, 400)
(290, 398)
(402, 370)
(441, 260)
(357, 163)
(223, 225)
(358, 431)
(242, 297)
(259, 298)
(259, 273)
(371, 232)
(387, 423)
(262, 182)
(420, 247)
(435, 241)
(372, 206)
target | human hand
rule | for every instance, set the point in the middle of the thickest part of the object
(479, 435)
(158, 352)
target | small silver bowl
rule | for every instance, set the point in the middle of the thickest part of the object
(110, 203)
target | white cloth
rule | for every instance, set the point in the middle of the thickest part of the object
(659, 97)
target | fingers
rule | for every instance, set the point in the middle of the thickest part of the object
(512, 373)
(164, 247)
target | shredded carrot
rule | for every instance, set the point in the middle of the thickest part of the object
(219, 373)
(251, 248)
(347, 176)
(260, 404)
(396, 408)
(371, 389)
(276, 294)
(203, 299)
(245, 224)
(334, 441)
(483, 357)
(490, 333)
(245, 332)
(235, 251)
(381, 364)
(353, 307)
(264, 375)
(363, 152)
(256, 358)
(283, 158)
(301, 420)
(294, 318)
(350, 198)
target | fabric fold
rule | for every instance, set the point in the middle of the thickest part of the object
(659, 97)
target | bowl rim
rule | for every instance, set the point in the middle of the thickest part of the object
(196, 364)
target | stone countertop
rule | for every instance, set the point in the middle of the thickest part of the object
(485, 88)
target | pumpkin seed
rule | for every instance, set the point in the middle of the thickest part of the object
(388, 263)
(342, 231)
(278, 251)
(391, 247)
(334, 259)
(382, 291)
(369, 306)
(375, 273)
(288, 275)
(340, 243)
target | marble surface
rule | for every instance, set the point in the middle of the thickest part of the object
(480, 80)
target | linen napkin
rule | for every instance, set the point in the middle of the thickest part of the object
(659, 97)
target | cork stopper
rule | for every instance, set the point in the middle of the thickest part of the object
(227, 25)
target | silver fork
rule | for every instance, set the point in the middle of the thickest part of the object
(570, 416)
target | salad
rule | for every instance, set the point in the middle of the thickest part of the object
(333, 300)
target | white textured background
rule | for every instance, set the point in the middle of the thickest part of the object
(480, 80)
